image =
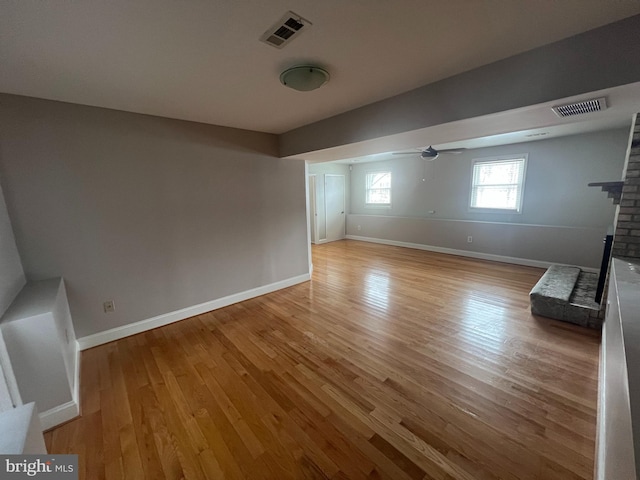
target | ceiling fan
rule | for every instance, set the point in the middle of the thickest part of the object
(431, 153)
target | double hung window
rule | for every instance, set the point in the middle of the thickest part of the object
(498, 184)
(378, 189)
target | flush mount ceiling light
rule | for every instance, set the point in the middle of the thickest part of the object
(304, 77)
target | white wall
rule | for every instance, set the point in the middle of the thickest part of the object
(562, 220)
(12, 277)
(154, 214)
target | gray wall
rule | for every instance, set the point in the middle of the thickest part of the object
(601, 58)
(155, 214)
(320, 170)
(562, 219)
(11, 274)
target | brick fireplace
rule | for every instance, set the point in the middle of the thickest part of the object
(626, 240)
(626, 226)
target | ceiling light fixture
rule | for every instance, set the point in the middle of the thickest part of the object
(304, 77)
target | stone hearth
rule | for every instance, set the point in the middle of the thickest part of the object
(568, 294)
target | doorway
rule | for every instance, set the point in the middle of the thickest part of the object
(334, 206)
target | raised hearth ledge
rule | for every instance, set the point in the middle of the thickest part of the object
(618, 438)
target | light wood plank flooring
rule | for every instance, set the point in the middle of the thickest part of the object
(391, 363)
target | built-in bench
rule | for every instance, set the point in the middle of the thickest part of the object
(42, 351)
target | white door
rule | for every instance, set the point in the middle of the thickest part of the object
(313, 211)
(334, 202)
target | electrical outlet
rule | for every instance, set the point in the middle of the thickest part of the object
(469, 239)
(359, 227)
(109, 306)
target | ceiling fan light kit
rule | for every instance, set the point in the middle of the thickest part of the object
(304, 78)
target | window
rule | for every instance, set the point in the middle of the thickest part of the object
(378, 188)
(497, 183)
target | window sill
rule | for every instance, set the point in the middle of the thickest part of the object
(495, 210)
(377, 206)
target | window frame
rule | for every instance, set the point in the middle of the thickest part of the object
(366, 189)
(521, 184)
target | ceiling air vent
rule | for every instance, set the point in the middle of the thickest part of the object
(579, 108)
(286, 29)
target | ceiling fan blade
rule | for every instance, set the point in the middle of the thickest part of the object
(452, 150)
(431, 153)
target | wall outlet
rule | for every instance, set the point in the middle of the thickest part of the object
(109, 306)
(359, 227)
(469, 239)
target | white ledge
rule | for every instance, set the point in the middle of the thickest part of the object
(20, 431)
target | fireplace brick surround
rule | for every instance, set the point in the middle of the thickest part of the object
(548, 296)
(626, 240)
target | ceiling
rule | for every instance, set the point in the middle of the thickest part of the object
(527, 124)
(202, 60)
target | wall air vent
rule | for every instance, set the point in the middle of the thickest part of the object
(290, 26)
(579, 108)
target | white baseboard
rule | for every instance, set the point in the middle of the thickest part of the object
(143, 325)
(60, 414)
(464, 253)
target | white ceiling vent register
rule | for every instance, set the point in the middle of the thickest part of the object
(290, 26)
(579, 108)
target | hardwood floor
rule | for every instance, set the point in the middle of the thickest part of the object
(391, 363)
